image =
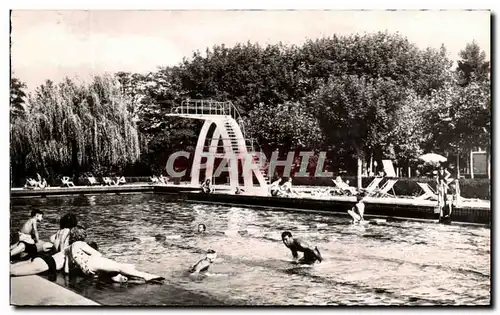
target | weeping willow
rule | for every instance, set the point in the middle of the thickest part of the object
(74, 128)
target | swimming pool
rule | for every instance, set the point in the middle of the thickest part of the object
(402, 263)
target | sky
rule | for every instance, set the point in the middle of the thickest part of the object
(78, 44)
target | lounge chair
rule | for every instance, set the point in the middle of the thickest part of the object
(107, 181)
(67, 182)
(388, 168)
(31, 183)
(119, 180)
(429, 193)
(384, 190)
(154, 179)
(344, 188)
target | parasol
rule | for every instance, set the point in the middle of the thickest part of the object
(432, 157)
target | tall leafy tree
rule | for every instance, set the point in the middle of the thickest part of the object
(473, 65)
(288, 126)
(359, 112)
(17, 98)
(69, 129)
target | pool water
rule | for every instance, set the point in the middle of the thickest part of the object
(400, 263)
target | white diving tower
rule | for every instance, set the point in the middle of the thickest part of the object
(224, 116)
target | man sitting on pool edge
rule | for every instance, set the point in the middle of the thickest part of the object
(297, 245)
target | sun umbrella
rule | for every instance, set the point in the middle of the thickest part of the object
(432, 157)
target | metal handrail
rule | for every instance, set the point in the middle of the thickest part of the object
(200, 107)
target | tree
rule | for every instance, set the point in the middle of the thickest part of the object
(377, 55)
(155, 95)
(473, 66)
(69, 129)
(359, 113)
(288, 126)
(17, 98)
(408, 134)
(246, 74)
(460, 117)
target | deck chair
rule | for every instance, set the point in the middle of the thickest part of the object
(429, 193)
(107, 181)
(31, 184)
(163, 180)
(345, 189)
(384, 190)
(389, 168)
(373, 185)
(119, 180)
(67, 182)
(154, 179)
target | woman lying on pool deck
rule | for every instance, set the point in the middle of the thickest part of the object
(79, 255)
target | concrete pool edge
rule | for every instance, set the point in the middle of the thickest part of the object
(479, 213)
(47, 293)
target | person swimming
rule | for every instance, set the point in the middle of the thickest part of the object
(297, 245)
(202, 265)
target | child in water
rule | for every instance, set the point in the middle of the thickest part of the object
(26, 242)
(357, 211)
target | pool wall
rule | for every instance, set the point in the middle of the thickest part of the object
(46, 293)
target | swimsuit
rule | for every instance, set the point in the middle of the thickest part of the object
(23, 237)
(29, 249)
(309, 257)
(80, 258)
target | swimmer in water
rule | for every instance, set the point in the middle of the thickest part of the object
(296, 245)
(202, 228)
(203, 265)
